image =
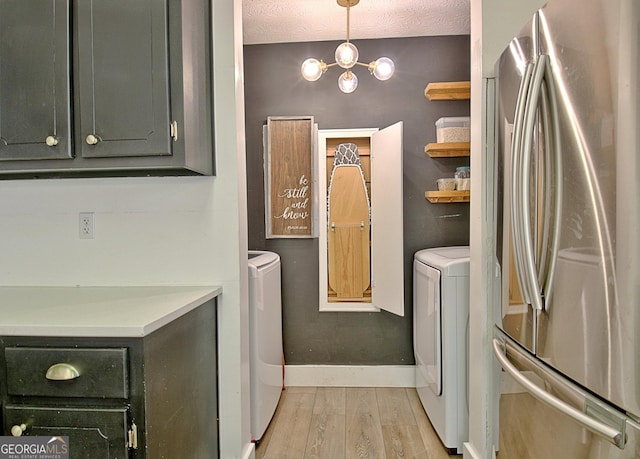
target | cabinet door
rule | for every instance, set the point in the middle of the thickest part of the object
(34, 80)
(387, 267)
(99, 433)
(122, 84)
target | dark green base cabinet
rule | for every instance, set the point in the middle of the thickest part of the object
(115, 398)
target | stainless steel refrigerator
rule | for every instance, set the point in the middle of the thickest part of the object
(567, 335)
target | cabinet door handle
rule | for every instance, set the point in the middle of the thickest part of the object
(17, 430)
(62, 372)
(51, 141)
(92, 139)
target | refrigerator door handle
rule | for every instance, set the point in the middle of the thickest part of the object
(504, 351)
(547, 174)
(553, 185)
(529, 129)
(516, 150)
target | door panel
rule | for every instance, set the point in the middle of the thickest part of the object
(428, 341)
(123, 78)
(95, 433)
(577, 331)
(34, 79)
(386, 220)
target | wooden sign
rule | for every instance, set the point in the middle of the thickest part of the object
(289, 169)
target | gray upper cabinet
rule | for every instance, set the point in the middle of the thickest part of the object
(35, 111)
(108, 87)
(122, 78)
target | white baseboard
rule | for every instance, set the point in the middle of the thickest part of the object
(350, 376)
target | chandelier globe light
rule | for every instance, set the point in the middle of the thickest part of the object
(346, 56)
(348, 82)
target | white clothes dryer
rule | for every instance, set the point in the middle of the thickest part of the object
(440, 340)
(265, 328)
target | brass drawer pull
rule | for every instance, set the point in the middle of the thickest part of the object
(62, 372)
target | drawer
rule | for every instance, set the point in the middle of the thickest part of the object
(83, 372)
(96, 433)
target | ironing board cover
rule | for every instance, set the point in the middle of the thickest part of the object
(347, 155)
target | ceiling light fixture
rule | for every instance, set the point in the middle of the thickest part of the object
(347, 57)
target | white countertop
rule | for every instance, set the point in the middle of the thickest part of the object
(96, 311)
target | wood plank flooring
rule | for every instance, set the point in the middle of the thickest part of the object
(350, 423)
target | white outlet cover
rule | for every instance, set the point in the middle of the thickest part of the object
(86, 225)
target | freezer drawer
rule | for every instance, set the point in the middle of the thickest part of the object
(529, 429)
(544, 415)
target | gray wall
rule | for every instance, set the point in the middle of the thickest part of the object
(274, 87)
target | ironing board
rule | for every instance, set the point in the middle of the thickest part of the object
(348, 226)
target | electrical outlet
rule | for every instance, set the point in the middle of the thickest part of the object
(86, 225)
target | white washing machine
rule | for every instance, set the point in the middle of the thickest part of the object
(265, 322)
(440, 324)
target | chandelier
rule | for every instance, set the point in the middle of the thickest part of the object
(347, 57)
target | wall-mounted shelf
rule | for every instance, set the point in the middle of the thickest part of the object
(448, 196)
(454, 90)
(448, 150)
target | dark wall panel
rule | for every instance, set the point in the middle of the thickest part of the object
(274, 87)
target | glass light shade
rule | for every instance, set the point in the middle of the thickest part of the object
(383, 68)
(346, 55)
(312, 69)
(348, 82)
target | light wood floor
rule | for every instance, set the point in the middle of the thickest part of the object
(338, 422)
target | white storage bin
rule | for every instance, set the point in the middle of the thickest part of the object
(453, 129)
(463, 184)
(446, 184)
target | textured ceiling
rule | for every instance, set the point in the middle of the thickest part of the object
(282, 21)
